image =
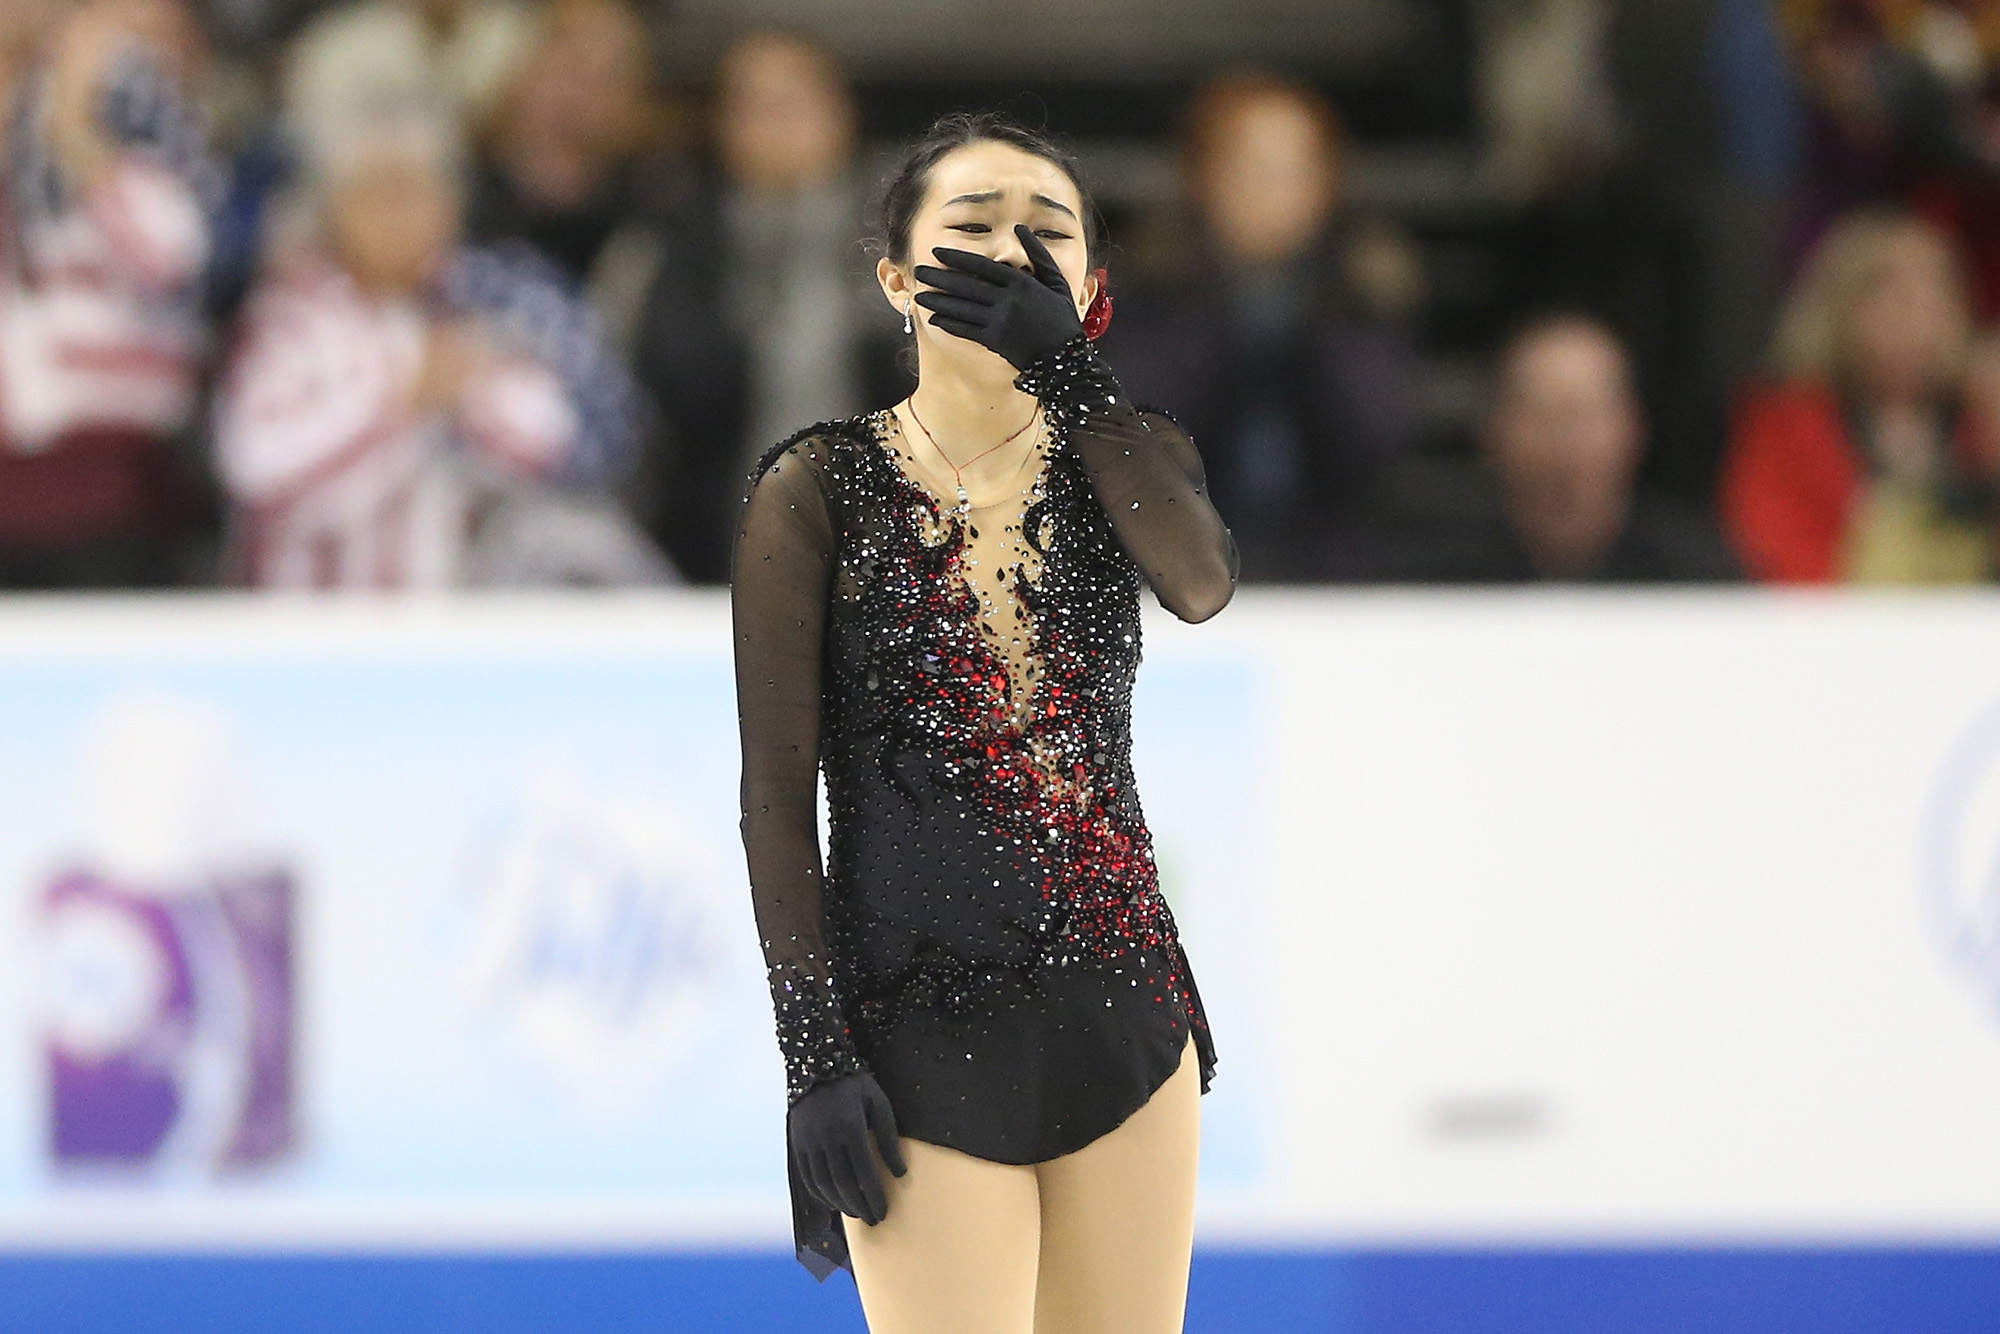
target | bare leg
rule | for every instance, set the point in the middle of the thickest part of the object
(957, 1251)
(1118, 1220)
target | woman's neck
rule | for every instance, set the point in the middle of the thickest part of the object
(1907, 437)
(973, 405)
(970, 425)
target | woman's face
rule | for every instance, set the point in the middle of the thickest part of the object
(1907, 331)
(393, 223)
(585, 90)
(784, 119)
(976, 196)
(1267, 184)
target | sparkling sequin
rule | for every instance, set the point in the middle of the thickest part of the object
(965, 681)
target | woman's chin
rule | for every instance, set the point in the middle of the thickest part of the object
(963, 357)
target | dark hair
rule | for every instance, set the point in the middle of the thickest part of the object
(1540, 323)
(947, 134)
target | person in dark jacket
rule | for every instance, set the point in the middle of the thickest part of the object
(765, 312)
(575, 150)
(1277, 337)
(1562, 443)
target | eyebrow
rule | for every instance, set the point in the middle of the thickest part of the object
(988, 196)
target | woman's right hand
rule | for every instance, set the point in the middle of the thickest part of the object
(456, 351)
(829, 1129)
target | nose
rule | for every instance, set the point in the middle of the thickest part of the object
(1010, 251)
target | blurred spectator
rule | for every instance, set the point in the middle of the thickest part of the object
(1872, 457)
(567, 164)
(1886, 117)
(404, 411)
(102, 242)
(355, 57)
(1955, 47)
(24, 27)
(1563, 440)
(1278, 337)
(765, 316)
(1545, 97)
(1657, 143)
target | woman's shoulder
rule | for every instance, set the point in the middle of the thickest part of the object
(1791, 416)
(820, 448)
(1802, 389)
(1790, 399)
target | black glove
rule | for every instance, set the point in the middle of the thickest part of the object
(828, 1128)
(1017, 313)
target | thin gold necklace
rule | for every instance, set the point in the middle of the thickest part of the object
(957, 472)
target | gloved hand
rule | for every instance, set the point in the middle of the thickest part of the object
(828, 1129)
(1018, 314)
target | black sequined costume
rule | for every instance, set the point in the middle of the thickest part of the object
(991, 940)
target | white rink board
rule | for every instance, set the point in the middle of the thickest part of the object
(1603, 918)
(1521, 917)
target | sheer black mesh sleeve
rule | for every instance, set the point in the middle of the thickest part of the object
(782, 572)
(1147, 476)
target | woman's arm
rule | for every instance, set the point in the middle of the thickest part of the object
(1143, 467)
(313, 388)
(782, 574)
(562, 403)
(1147, 476)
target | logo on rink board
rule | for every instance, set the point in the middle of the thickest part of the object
(165, 945)
(587, 929)
(1959, 855)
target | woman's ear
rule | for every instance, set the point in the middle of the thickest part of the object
(896, 284)
(1091, 287)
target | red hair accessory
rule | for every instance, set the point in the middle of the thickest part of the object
(1098, 318)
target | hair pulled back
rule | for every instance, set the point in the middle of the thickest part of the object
(946, 135)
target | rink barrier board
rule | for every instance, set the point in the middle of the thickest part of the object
(1751, 1089)
(1431, 1291)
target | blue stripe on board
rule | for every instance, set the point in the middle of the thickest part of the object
(544, 1294)
(1834, 1291)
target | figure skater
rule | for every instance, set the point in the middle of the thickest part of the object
(993, 1044)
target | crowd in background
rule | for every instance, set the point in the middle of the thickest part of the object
(463, 292)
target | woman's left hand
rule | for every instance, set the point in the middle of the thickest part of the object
(1020, 314)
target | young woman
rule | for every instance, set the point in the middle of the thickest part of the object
(993, 1044)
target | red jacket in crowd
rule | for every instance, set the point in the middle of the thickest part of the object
(1790, 484)
(1794, 478)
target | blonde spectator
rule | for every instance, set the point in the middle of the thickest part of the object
(407, 412)
(1864, 461)
(103, 239)
(358, 56)
(24, 26)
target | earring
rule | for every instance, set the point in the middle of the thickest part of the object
(909, 326)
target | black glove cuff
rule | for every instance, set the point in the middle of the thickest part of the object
(1073, 384)
(812, 1033)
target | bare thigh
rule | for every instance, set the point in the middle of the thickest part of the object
(1118, 1220)
(957, 1251)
